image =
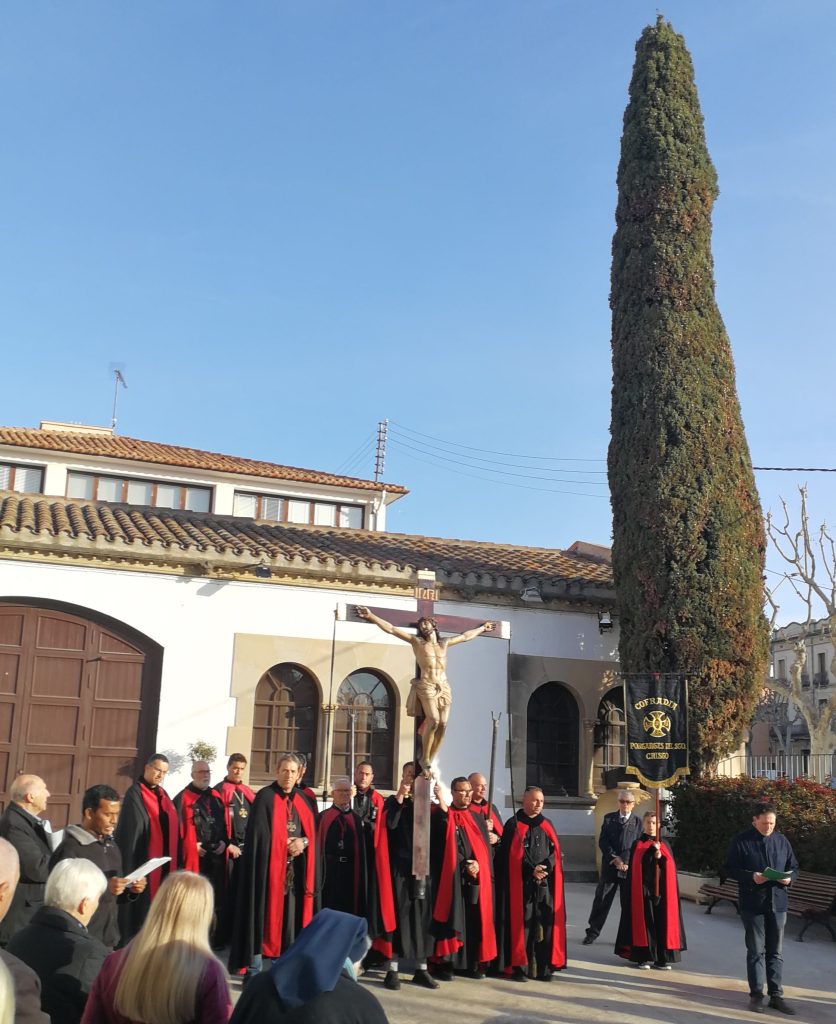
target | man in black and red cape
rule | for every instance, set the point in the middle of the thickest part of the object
(278, 891)
(402, 906)
(533, 908)
(650, 932)
(479, 805)
(463, 923)
(367, 802)
(237, 799)
(147, 827)
(203, 835)
(344, 851)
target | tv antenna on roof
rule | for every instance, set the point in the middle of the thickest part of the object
(117, 380)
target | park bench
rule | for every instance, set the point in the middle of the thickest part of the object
(811, 897)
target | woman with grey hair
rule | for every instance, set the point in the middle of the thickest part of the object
(56, 944)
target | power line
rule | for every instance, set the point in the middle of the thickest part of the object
(504, 483)
(451, 450)
(793, 469)
(488, 451)
(502, 472)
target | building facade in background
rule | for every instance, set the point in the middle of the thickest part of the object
(152, 596)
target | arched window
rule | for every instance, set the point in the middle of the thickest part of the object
(284, 718)
(552, 762)
(611, 733)
(364, 727)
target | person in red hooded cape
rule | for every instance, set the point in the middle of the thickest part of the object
(479, 805)
(203, 836)
(531, 899)
(147, 827)
(463, 924)
(237, 799)
(279, 885)
(344, 854)
(651, 932)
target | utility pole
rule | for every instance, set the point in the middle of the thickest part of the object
(380, 453)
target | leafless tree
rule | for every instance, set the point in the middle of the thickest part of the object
(811, 561)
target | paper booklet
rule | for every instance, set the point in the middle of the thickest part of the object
(147, 868)
(775, 876)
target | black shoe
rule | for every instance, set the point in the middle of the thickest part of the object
(518, 974)
(422, 978)
(588, 939)
(392, 981)
(476, 974)
(443, 971)
(544, 975)
(756, 1004)
(779, 1003)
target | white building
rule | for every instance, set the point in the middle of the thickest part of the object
(152, 596)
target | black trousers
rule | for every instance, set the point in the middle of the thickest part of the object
(604, 896)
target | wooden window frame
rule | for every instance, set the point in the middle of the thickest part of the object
(283, 500)
(13, 466)
(125, 481)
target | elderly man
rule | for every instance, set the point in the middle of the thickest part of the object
(56, 943)
(203, 835)
(22, 825)
(533, 904)
(147, 827)
(479, 805)
(764, 865)
(344, 850)
(278, 885)
(26, 984)
(619, 830)
(92, 840)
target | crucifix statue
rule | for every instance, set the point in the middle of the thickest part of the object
(430, 695)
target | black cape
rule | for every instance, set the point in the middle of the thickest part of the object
(248, 927)
(348, 1003)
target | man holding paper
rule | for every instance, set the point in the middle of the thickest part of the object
(147, 828)
(762, 862)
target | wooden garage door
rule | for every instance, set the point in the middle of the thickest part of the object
(74, 704)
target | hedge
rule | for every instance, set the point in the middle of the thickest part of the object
(709, 812)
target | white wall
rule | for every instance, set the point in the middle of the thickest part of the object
(195, 622)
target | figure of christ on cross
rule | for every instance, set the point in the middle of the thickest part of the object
(430, 694)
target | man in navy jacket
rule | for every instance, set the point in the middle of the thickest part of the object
(763, 903)
(619, 830)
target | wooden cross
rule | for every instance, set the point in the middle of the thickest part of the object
(426, 594)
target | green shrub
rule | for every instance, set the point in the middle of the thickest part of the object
(709, 812)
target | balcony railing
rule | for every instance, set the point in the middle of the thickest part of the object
(818, 767)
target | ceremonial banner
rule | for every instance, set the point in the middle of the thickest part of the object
(656, 709)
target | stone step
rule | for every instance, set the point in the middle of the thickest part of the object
(579, 873)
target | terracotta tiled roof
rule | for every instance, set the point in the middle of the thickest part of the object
(117, 447)
(111, 529)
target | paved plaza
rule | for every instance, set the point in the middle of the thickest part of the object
(709, 985)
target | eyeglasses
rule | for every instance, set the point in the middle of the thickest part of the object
(626, 801)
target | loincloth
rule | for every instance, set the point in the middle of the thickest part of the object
(420, 691)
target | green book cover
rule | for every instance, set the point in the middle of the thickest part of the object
(776, 876)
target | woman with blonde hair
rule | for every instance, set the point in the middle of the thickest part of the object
(167, 974)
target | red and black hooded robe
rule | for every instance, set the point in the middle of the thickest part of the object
(527, 842)
(210, 828)
(403, 922)
(147, 827)
(463, 921)
(271, 908)
(237, 799)
(489, 811)
(344, 861)
(651, 926)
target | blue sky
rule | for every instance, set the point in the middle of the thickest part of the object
(289, 220)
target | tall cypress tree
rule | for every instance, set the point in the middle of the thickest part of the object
(688, 550)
